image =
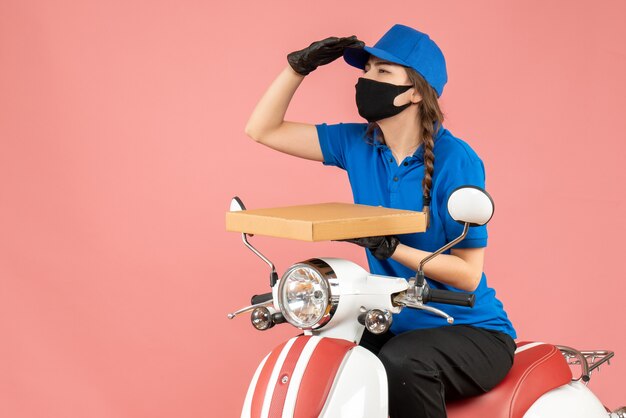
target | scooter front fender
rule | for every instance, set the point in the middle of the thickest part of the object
(311, 376)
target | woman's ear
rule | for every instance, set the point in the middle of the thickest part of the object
(416, 97)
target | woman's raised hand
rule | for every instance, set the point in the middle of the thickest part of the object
(320, 53)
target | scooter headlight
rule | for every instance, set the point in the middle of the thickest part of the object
(304, 295)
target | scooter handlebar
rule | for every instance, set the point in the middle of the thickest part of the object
(261, 298)
(450, 297)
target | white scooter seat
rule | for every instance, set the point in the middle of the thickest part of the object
(537, 369)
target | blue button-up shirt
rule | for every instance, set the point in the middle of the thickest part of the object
(377, 179)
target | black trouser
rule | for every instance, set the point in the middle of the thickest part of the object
(427, 367)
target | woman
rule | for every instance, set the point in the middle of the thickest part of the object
(404, 158)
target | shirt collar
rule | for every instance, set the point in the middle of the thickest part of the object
(419, 152)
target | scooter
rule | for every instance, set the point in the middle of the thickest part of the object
(325, 373)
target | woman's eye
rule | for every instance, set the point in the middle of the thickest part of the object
(380, 70)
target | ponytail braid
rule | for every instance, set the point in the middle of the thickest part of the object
(429, 164)
(431, 118)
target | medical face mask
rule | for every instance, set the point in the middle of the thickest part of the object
(374, 99)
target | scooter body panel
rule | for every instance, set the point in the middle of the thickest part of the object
(573, 400)
(360, 389)
(247, 404)
(316, 376)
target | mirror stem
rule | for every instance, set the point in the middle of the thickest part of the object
(419, 278)
(273, 274)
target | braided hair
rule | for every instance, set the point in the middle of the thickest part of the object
(431, 119)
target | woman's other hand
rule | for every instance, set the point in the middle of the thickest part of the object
(381, 247)
(321, 53)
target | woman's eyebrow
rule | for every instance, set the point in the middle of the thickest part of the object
(382, 63)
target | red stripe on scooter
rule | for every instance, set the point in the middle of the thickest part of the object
(261, 385)
(319, 376)
(286, 373)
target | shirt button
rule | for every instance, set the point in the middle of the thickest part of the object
(395, 179)
(406, 163)
(391, 160)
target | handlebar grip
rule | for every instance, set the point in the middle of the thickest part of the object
(450, 297)
(261, 298)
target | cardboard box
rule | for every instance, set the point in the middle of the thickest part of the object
(326, 221)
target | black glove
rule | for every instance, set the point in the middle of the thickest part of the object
(381, 247)
(321, 53)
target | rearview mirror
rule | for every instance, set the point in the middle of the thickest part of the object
(470, 204)
(236, 205)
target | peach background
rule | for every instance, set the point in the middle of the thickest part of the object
(121, 143)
